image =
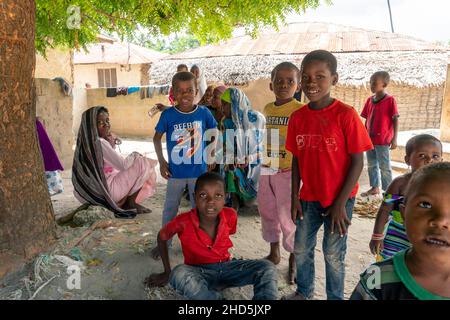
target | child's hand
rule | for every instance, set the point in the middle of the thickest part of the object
(157, 280)
(136, 154)
(339, 219)
(241, 165)
(393, 144)
(164, 169)
(160, 106)
(296, 211)
(211, 166)
(376, 246)
(111, 139)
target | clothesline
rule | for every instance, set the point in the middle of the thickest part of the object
(147, 91)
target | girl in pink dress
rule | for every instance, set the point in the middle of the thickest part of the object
(101, 176)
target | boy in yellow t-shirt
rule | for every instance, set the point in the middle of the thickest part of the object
(274, 191)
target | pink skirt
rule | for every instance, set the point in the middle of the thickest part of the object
(141, 175)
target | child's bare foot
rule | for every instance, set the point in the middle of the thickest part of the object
(274, 258)
(274, 254)
(294, 296)
(292, 269)
(374, 191)
(155, 253)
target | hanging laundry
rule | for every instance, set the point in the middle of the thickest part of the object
(143, 92)
(122, 91)
(111, 92)
(132, 89)
(166, 89)
(65, 86)
(150, 92)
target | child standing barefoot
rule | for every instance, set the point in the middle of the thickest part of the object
(421, 150)
(327, 140)
(381, 113)
(274, 192)
(421, 272)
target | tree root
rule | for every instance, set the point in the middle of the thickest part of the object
(101, 224)
(65, 219)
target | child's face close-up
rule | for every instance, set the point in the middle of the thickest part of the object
(285, 84)
(424, 154)
(210, 199)
(377, 85)
(427, 218)
(103, 125)
(208, 96)
(226, 109)
(216, 102)
(317, 81)
(184, 93)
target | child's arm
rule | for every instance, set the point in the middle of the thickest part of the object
(161, 107)
(161, 279)
(376, 243)
(337, 212)
(211, 134)
(394, 139)
(163, 165)
(296, 207)
(211, 154)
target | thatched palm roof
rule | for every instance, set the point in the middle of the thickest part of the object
(359, 52)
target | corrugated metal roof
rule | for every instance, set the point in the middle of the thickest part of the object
(303, 37)
(117, 53)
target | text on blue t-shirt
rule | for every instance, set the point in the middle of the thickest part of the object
(184, 135)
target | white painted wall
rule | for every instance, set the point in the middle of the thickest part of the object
(57, 64)
(79, 106)
(87, 73)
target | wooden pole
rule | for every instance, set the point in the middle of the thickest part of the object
(445, 118)
(390, 15)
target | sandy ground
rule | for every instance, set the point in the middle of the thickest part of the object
(116, 259)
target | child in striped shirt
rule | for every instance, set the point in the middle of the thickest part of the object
(389, 235)
(421, 272)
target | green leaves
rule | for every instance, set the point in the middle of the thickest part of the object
(75, 23)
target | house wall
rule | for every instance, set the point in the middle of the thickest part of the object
(398, 155)
(419, 108)
(57, 64)
(87, 73)
(80, 104)
(55, 109)
(128, 114)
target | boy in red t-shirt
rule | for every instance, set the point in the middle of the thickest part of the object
(381, 114)
(204, 233)
(327, 140)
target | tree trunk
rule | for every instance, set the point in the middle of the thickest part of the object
(27, 223)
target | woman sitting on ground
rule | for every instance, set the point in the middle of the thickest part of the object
(101, 176)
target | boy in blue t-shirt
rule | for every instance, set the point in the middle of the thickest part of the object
(185, 126)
